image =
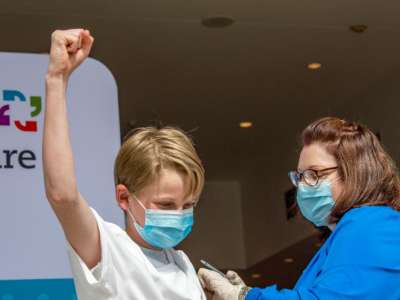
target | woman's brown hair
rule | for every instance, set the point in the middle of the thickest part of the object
(368, 174)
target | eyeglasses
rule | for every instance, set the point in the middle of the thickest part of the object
(310, 177)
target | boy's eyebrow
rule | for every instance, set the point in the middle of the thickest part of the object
(163, 199)
(172, 200)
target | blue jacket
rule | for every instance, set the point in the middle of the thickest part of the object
(360, 260)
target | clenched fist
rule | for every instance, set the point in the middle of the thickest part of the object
(69, 48)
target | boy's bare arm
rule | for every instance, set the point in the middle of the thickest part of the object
(69, 48)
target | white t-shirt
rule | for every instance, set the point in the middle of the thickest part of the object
(128, 272)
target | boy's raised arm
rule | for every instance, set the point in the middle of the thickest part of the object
(69, 48)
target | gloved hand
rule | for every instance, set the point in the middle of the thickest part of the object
(221, 287)
(234, 278)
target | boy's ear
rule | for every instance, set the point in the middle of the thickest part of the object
(122, 195)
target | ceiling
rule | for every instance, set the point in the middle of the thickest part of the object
(171, 68)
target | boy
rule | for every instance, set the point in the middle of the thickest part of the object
(158, 178)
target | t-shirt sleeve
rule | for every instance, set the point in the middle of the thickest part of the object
(93, 282)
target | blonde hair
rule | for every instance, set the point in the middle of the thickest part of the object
(148, 150)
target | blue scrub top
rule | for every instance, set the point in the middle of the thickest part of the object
(360, 260)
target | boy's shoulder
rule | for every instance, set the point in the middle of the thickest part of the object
(111, 230)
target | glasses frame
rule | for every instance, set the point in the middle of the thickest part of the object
(296, 177)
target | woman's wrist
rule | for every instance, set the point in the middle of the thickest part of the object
(243, 292)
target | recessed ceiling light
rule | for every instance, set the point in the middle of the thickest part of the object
(256, 275)
(217, 22)
(314, 66)
(245, 124)
(358, 28)
(288, 260)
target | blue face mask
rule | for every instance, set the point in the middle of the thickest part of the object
(164, 228)
(315, 202)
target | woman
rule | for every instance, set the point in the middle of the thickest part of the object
(345, 180)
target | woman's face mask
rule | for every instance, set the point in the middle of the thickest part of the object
(316, 194)
(316, 202)
(164, 228)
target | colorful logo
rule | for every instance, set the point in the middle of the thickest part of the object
(24, 125)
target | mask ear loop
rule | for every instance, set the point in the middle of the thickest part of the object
(140, 203)
(168, 258)
(129, 213)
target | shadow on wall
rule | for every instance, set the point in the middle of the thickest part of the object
(283, 268)
(217, 235)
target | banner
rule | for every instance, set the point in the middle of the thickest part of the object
(33, 257)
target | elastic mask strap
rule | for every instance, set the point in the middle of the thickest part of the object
(137, 199)
(129, 212)
(140, 203)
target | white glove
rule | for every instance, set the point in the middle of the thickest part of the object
(221, 288)
(234, 278)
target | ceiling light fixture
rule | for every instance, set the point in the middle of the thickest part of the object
(245, 124)
(314, 66)
(358, 28)
(217, 22)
